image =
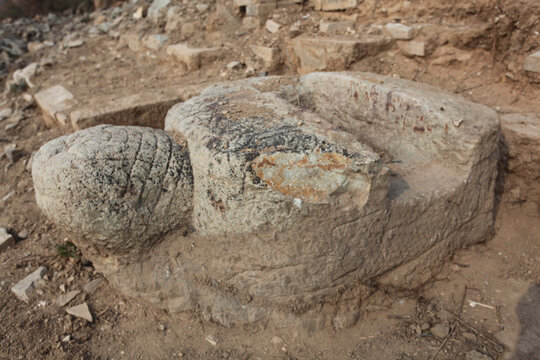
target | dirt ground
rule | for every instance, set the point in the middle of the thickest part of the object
(484, 304)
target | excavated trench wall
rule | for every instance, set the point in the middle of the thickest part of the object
(285, 196)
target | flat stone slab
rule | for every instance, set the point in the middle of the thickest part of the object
(143, 108)
(334, 53)
(300, 192)
(54, 103)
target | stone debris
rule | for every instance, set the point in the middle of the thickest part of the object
(12, 153)
(64, 299)
(331, 27)
(155, 41)
(316, 54)
(6, 239)
(441, 330)
(476, 355)
(269, 55)
(75, 43)
(5, 113)
(157, 10)
(194, 58)
(26, 73)
(53, 101)
(81, 311)
(272, 26)
(331, 5)
(27, 286)
(412, 48)
(93, 285)
(532, 62)
(212, 340)
(35, 46)
(399, 31)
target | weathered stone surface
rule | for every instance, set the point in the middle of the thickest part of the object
(521, 134)
(6, 239)
(412, 48)
(26, 287)
(194, 58)
(54, 101)
(329, 27)
(292, 205)
(120, 187)
(330, 5)
(532, 62)
(399, 31)
(317, 54)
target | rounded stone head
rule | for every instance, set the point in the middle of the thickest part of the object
(118, 186)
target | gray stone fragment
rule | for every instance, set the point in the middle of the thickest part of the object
(93, 285)
(64, 299)
(6, 239)
(26, 287)
(5, 113)
(81, 311)
(441, 330)
(532, 62)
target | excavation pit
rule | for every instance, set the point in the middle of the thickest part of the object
(278, 200)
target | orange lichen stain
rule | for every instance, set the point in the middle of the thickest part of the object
(310, 179)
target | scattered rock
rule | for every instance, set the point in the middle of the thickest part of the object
(201, 7)
(5, 113)
(139, 14)
(276, 340)
(425, 326)
(6, 239)
(476, 355)
(54, 100)
(93, 285)
(212, 340)
(12, 153)
(75, 43)
(532, 62)
(25, 74)
(269, 55)
(272, 26)
(81, 311)
(441, 330)
(399, 31)
(194, 57)
(329, 54)
(330, 5)
(155, 41)
(64, 299)
(26, 287)
(469, 336)
(23, 234)
(234, 65)
(412, 48)
(260, 10)
(156, 11)
(330, 27)
(35, 46)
